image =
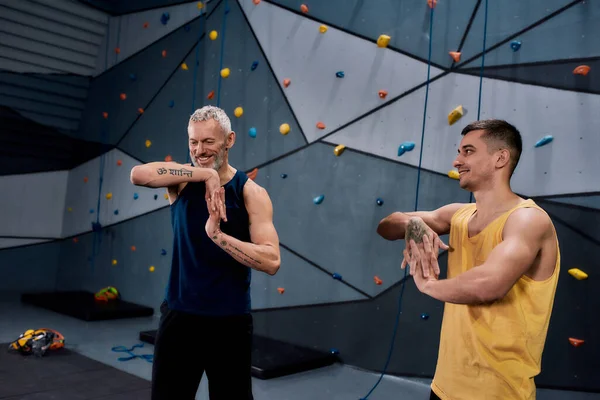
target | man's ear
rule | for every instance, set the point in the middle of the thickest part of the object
(503, 158)
(230, 140)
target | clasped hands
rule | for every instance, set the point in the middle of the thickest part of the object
(215, 202)
(421, 256)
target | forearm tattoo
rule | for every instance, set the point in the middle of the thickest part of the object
(238, 253)
(415, 230)
(175, 172)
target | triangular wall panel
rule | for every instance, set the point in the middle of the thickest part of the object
(299, 52)
(585, 221)
(571, 32)
(582, 201)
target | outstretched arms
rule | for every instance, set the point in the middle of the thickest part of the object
(262, 252)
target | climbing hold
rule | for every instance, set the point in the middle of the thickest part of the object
(383, 40)
(320, 125)
(337, 276)
(225, 72)
(168, 158)
(515, 45)
(166, 196)
(213, 35)
(339, 149)
(424, 316)
(91, 210)
(377, 280)
(254, 65)
(379, 202)
(211, 95)
(114, 262)
(164, 53)
(163, 252)
(576, 342)
(151, 269)
(280, 290)
(69, 209)
(304, 8)
(578, 274)
(132, 248)
(404, 147)
(382, 94)
(284, 129)
(252, 174)
(582, 70)
(286, 82)
(75, 240)
(172, 103)
(155, 196)
(140, 110)
(200, 5)
(117, 50)
(319, 199)
(146, 24)
(116, 212)
(108, 196)
(283, 176)
(135, 196)
(432, 3)
(334, 351)
(238, 112)
(119, 163)
(252, 132)
(322, 28)
(256, 2)
(184, 66)
(543, 141)
(148, 143)
(186, 27)
(133, 77)
(105, 115)
(455, 115)
(85, 179)
(453, 174)
(455, 55)
(164, 18)
(340, 74)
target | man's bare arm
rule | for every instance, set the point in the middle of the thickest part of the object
(524, 233)
(262, 252)
(394, 226)
(166, 174)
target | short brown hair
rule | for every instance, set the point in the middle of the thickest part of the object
(499, 131)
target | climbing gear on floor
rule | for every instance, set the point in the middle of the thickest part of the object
(38, 341)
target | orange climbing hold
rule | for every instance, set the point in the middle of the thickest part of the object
(119, 163)
(582, 70)
(252, 174)
(211, 95)
(455, 55)
(105, 115)
(286, 82)
(85, 179)
(576, 342)
(132, 248)
(141, 110)
(117, 50)
(123, 96)
(256, 2)
(320, 125)
(304, 8)
(383, 94)
(75, 240)
(377, 280)
(164, 53)
(280, 290)
(145, 24)
(432, 3)
(168, 158)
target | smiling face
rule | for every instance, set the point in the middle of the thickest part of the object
(208, 144)
(478, 165)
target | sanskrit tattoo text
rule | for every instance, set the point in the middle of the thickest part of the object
(174, 172)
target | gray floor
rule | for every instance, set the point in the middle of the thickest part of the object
(95, 340)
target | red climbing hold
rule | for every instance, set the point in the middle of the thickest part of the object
(119, 163)
(280, 290)
(286, 82)
(582, 70)
(123, 96)
(383, 94)
(117, 50)
(252, 174)
(256, 2)
(168, 158)
(211, 95)
(304, 8)
(141, 110)
(455, 55)
(164, 53)
(320, 125)
(377, 280)
(145, 24)
(75, 240)
(432, 3)
(105, 115)
(576, 342)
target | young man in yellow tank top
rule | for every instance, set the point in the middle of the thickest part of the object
(503, 268)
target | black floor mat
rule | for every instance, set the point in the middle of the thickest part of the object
(66, 375)
(272, 358)
(82, 305)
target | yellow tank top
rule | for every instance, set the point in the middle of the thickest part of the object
(492, 351)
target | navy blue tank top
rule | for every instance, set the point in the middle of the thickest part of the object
(204, 278)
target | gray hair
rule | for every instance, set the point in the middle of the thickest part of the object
(211, 112)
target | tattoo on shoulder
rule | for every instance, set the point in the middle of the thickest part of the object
(415, 230)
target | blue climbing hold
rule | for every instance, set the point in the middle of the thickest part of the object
(379, 202)
(91, 210)
(96, 226)
(254, 65)
(163, 252)
(424, 316)
(155, 196)
(187, 28)
(318, 199)
(543, 141)
(337, 276)
(172, 103)
(227, 10)
(165, 18)
(133, 77)
(283, 176)
(515, 45)
(116, 212)
(334, 351)
(404, 147)
(252, 132)
(340, 74)
(135, 196)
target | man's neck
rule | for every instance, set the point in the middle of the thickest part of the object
(226, 173)
(496, 200)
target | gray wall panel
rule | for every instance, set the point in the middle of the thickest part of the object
(584, 201)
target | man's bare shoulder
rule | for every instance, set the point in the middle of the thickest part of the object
(530, 222)
(255, 196)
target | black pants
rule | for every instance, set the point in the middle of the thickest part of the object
(433, 396)
(187, 346)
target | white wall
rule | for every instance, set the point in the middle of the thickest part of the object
(32, 204)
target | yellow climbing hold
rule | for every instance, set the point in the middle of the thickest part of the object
(578, 274)
(184, 66)
(453, 174)
(151, 269)
(455, 115)
(339, 149)
(225, 72)
(166, 196)
(148, 143)
(238, 111)
(108, 196)
(69, 209)
(200, 5)
(114, 262)
(323, 29)
(383, 41)
(284, 129)
(213, 35)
